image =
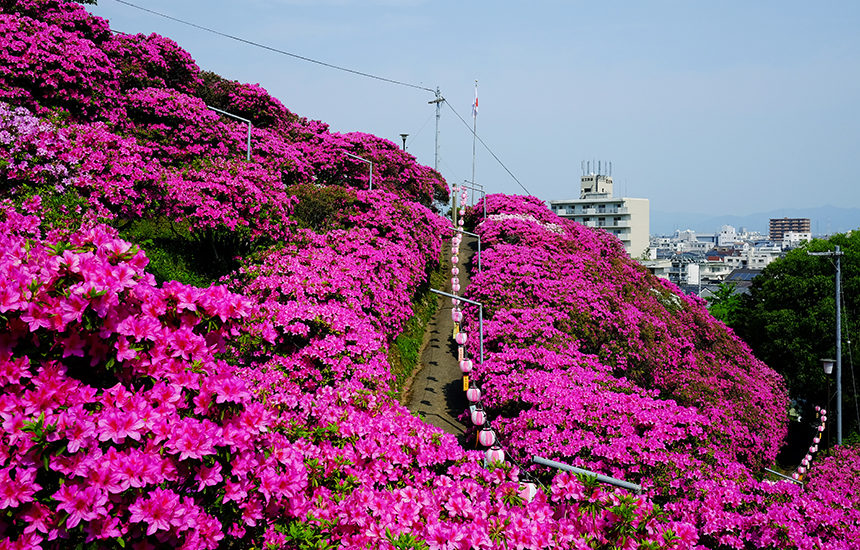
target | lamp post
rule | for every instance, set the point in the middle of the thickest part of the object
(363, 160)
(837, 253)
(403, 137)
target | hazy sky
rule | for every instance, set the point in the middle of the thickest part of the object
(728, 107)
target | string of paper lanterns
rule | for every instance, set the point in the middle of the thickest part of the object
(806, 462)
(486, 435)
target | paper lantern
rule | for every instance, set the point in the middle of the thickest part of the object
(801, 470)
(808, 457)
(460, 222)
(824, 418)
(455, 260)
(821, 428)
(455, 301)
(823, 412)
(816, 440)
(804, 462)
(456, 315)
(486, 436)
(461, 338)
(495, 454)
(477, 416)
(473, 394)
(528, 491)
(466, 366)
(455, 270)
(455, 288)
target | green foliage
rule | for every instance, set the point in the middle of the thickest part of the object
(175, 254)
(320, 208)
(405, 354)
(725, 304)
(789, 319)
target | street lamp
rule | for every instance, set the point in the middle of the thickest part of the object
(403, 137)
(827, 365)
(837, 253)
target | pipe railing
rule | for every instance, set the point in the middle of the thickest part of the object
(480, 318)
(245, 120)
(599, 477)
(474, 187)
(458, 230)
(370, 187)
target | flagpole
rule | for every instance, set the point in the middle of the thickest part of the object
(474, 134)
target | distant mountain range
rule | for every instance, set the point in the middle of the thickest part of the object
(824, 219)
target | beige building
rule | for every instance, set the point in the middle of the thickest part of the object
(626, 218)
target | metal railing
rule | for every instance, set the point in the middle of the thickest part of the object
(599, 477)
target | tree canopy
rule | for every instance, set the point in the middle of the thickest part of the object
(789, 320)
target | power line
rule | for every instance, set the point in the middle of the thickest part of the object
(276, 50)
(502, 164)
(329, 65)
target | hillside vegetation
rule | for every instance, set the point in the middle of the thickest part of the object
(196, 348)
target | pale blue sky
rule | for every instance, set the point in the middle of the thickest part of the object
(717, 107)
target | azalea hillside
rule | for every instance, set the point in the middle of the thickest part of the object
(202, 338)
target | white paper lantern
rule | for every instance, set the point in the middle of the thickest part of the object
(486, 436)
(461, 338)
(466, 366)
(473, 394)
(495, 454)
(477, 416)
(528, 491)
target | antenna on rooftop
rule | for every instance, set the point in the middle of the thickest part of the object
(582, 167)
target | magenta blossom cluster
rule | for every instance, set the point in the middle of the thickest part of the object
(119, 421)
(591, 361)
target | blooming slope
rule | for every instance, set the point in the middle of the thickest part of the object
(257, 412)
(592, 361)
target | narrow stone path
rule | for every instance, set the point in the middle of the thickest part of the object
(436, 389)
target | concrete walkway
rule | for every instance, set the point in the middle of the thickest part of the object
(435, 391)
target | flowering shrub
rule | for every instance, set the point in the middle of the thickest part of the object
(593, 362)
(152, 62)
(119, 422)
(44, 67)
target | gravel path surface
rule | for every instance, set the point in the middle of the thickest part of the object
(436, 389)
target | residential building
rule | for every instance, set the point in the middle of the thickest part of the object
(779, 226)
(626, 218)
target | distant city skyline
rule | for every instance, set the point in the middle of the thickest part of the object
(731, 107)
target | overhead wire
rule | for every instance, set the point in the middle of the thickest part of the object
(847, 328)
(487, 147)
(331, 66)
(276, 50)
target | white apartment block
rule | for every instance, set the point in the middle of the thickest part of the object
(626, 218)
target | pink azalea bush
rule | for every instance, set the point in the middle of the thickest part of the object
(592, 361)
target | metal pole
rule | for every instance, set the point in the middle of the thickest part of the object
(481, 190)
(474, 130)
(457, 229)
(599, 477)
(838, 254)
(245, 120)
(363, 160)
(783, 476)
(480, 316)
(438, 101)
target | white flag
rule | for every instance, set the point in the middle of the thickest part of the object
(475, 105)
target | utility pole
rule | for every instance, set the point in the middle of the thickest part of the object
(838, 255)
(438, 101)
